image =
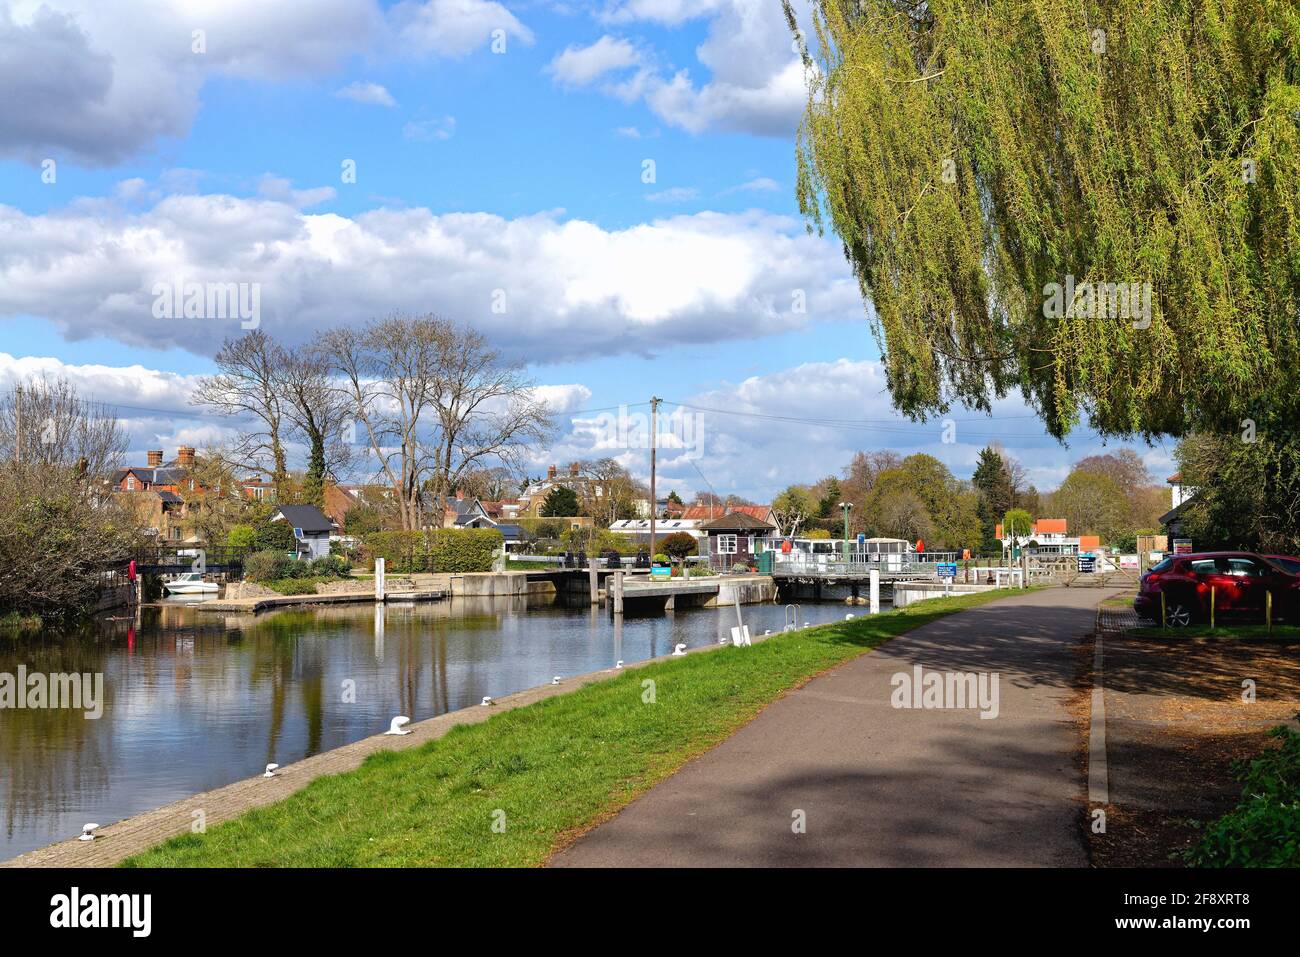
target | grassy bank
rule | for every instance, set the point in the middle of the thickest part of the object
(552, 768)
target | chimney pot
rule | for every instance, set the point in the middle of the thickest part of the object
(155, 458)
(552, 472)
(185, 456)
(573, 469)
(460, 495)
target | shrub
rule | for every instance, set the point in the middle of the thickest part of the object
(267, 566)
(661, 558)
(241, 536)
(274, 536)
(440, 550)
(738, 568)
(330, 566)
(1264, 829)
(679, 544)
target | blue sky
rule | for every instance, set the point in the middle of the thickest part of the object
(519, 170)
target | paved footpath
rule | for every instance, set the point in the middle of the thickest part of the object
(886, 786)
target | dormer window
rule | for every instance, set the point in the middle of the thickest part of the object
(130, 483)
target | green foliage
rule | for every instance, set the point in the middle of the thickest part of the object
(969, 154)
(329, 566)
(277, 536)
(267, 566)
(920, 499)
(679, 545)
(1264, 829)
(1248, 492)
(439, 550)
(55, 539)
(561, 501)
(1091, 504)
(594, 541)
(817, 533)
(1016, 524)
(993, 486)
(363, 519)
(241, 536)
(828, 506)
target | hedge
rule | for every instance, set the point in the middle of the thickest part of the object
(439, 550)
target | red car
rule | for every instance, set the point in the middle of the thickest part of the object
(1241, 582)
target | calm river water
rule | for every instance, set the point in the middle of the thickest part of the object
(194, 700)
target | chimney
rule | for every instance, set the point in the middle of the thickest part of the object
(552, 472)
(185, 456)
(460, 495)
(155, 458)
(573, 469)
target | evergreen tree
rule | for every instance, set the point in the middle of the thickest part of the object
(993, 484)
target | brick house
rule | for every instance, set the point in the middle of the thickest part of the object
(157, 489)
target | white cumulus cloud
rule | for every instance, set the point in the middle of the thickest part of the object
(546, 287)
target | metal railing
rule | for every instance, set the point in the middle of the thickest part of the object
(822, 567)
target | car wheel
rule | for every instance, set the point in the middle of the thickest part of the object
(1179, 615)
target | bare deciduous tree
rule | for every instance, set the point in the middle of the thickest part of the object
(435, 402)
(46, 423)
(249, 384)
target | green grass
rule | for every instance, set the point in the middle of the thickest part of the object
(554, 767)
(1221, 631)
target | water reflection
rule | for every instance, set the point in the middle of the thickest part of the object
(194, 700)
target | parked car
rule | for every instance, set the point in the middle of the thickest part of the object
(1241, 582)
(1289, 563)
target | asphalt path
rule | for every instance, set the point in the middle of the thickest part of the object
(837, 774)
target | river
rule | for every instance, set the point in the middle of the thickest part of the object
(193, 700)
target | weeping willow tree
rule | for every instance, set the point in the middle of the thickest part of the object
(976, 157)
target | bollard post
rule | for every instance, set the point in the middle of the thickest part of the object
(1164, 615)
(593, 580)
(1268, 611)
(1211, 608)
(875, 591)
(379, 579)
(618, 593)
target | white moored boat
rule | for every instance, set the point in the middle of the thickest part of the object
(191, 583)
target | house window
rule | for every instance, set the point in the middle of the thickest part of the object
(130, 483)
(726, 544)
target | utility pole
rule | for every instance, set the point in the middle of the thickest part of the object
(654, 442)
(846, 506)
(18, 424)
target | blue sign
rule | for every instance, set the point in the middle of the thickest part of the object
(862, 539)
(946, 569)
